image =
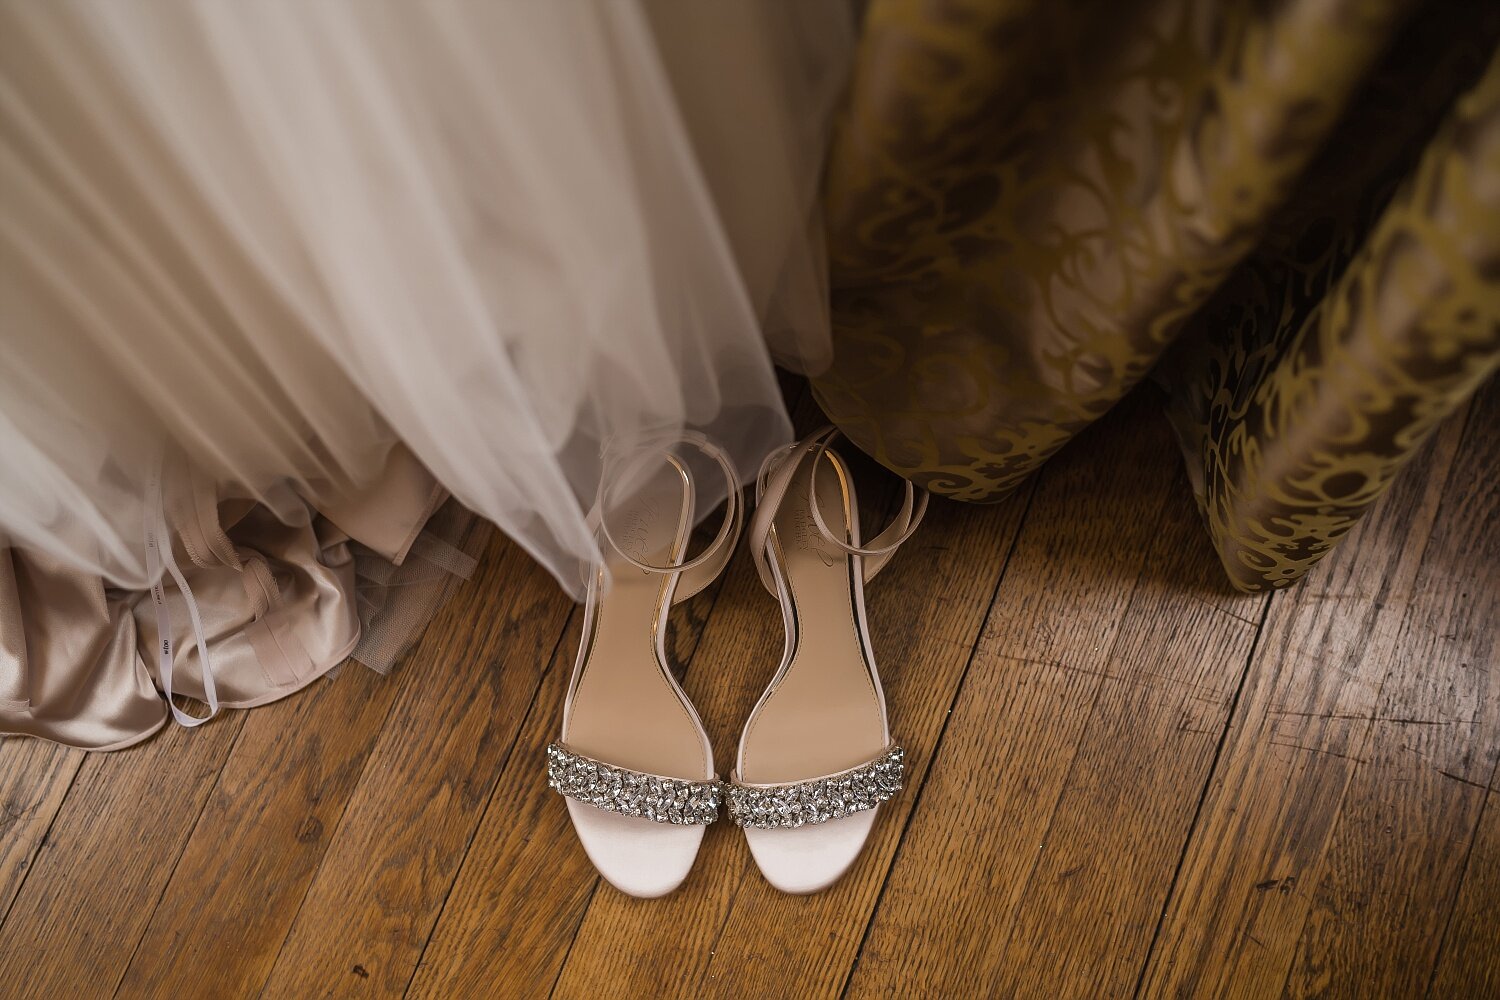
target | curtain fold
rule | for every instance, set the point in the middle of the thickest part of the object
(1286, 211)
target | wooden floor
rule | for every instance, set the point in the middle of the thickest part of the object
(1126, 780)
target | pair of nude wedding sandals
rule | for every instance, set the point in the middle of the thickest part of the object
(815, 758)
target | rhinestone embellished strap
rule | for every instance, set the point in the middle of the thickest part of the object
(799, 803)
(631, 793)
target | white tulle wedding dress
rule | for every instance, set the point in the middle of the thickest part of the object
(289, 289)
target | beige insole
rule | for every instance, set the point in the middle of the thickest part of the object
(626, 709)
(823, 714)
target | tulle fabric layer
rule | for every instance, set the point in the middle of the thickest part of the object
(263, 252)
(284, 236)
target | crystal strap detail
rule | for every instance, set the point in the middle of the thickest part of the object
(631, 793)
(819, 800)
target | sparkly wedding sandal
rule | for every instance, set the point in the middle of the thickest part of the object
(816, 757)
(634, 762)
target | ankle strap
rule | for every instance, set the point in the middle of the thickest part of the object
(775, 478)
(698, 572)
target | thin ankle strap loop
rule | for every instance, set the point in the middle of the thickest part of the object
(878, 551)
(775, 478)
(159, 557)
(698, 572)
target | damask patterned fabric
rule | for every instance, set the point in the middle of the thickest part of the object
(1288, 213)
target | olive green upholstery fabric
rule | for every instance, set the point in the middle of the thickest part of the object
(1289, 213)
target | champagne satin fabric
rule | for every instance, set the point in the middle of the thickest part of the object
(1291, 211)
(282, 600)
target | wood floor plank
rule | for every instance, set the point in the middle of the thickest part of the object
(1396, 858)
(110, 852)
(275, 810)
(34, 778)
(279, 798)
(1469, 962)
(1109, 658)
(373, 901)
(517, 902)
(924, 611)
(1095, 891)
(1304, 725)
(524, 883)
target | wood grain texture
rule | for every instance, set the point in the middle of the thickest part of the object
(366, 916)
(526, 882)
(235, 891)
(1094, 892)
(1054, 813)
(1126, 781)
(516, 902)
(1394, 862)
(1469, 960)
(103, 866)
(1306, 724)
(276, 808)
(34, 779)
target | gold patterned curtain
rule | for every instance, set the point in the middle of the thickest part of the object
(1287, 214)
